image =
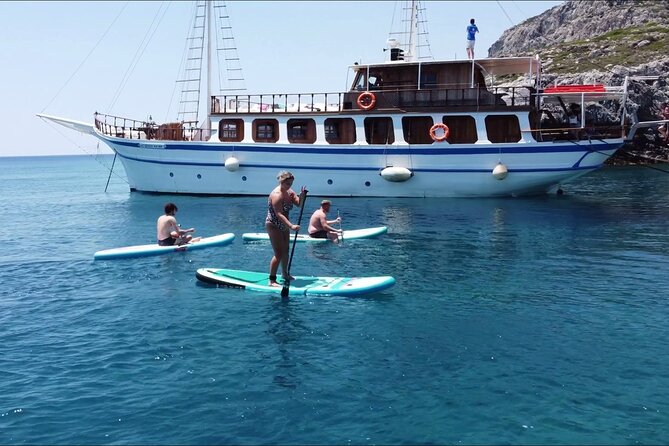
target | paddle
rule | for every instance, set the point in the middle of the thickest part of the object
(286, 282)
(341, 234)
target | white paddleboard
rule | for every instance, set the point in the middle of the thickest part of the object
(155, 249)
(347, 235)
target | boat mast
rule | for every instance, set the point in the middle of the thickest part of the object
(209, 13)
(412, 35)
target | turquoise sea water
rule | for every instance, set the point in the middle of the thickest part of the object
(527, 321)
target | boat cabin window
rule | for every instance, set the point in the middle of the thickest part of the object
(359, 84)
(362, 83)
(340, 130)
(428, 80)
(375, 82)
(301, 131)
(379, 131)
(461, 129)
(502, 128)
(231, 130)
(417, 129)
(265, 130)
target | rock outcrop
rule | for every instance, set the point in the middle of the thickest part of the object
(603, 42)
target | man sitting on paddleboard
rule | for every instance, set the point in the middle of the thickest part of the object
(168, 231)
(319, 225)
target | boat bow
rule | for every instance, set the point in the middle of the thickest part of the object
(79, 126)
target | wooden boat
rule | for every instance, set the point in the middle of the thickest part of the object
(405, 128)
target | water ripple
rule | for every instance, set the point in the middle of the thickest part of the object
(527, 321)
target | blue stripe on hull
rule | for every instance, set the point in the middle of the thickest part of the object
(370, 150)
(352, 168)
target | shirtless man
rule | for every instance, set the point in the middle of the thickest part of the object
(168, 231)
(319, 225)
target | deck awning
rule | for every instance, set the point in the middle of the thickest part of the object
(492, 66)
(510, 65)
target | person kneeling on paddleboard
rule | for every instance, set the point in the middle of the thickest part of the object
(319, 225)
(168, 231)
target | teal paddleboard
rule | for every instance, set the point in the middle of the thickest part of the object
(301, 286)
(347, 235)
(155, 249)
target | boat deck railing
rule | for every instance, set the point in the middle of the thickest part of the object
(591, 131)
(494, 101)
(133, 129)
(386, 100)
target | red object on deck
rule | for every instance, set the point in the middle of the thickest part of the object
(585, 88)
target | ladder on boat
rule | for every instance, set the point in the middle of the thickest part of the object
(191, 80)
(413, 36)
(233, 83)
(229, 71)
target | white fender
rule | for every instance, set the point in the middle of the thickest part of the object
(232, 164)
(500, 171)
(396, 174)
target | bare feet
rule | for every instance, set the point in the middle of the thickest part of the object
(273, 283)
(184, 240)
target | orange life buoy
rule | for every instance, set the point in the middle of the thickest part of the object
(366, 100)
(433, 132)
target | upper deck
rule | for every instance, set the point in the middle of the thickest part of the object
(399, 86)
(412, 94)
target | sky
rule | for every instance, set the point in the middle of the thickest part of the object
(70, 59)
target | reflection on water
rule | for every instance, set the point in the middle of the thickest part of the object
(285, 328)
(397, 217)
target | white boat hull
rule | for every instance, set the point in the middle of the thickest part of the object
(195, 167)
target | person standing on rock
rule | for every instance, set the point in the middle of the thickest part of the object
(472, 29)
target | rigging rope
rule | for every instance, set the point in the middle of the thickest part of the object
(658, 160)
(504, 11)
(182, 64)
(525, 16)
(392, 20)
(422, 12)
(87, 56)
(95, 156)
(138, 53)
(219, 22)
(223, 49)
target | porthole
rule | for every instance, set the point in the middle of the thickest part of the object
(367, 183)
(244, 178)
(329, 181)
(171, 174)
(199, 176)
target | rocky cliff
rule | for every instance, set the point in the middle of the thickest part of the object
(602, 42)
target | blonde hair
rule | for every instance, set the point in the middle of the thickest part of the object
(284, 175)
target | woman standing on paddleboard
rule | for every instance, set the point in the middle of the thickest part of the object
(278, 225)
